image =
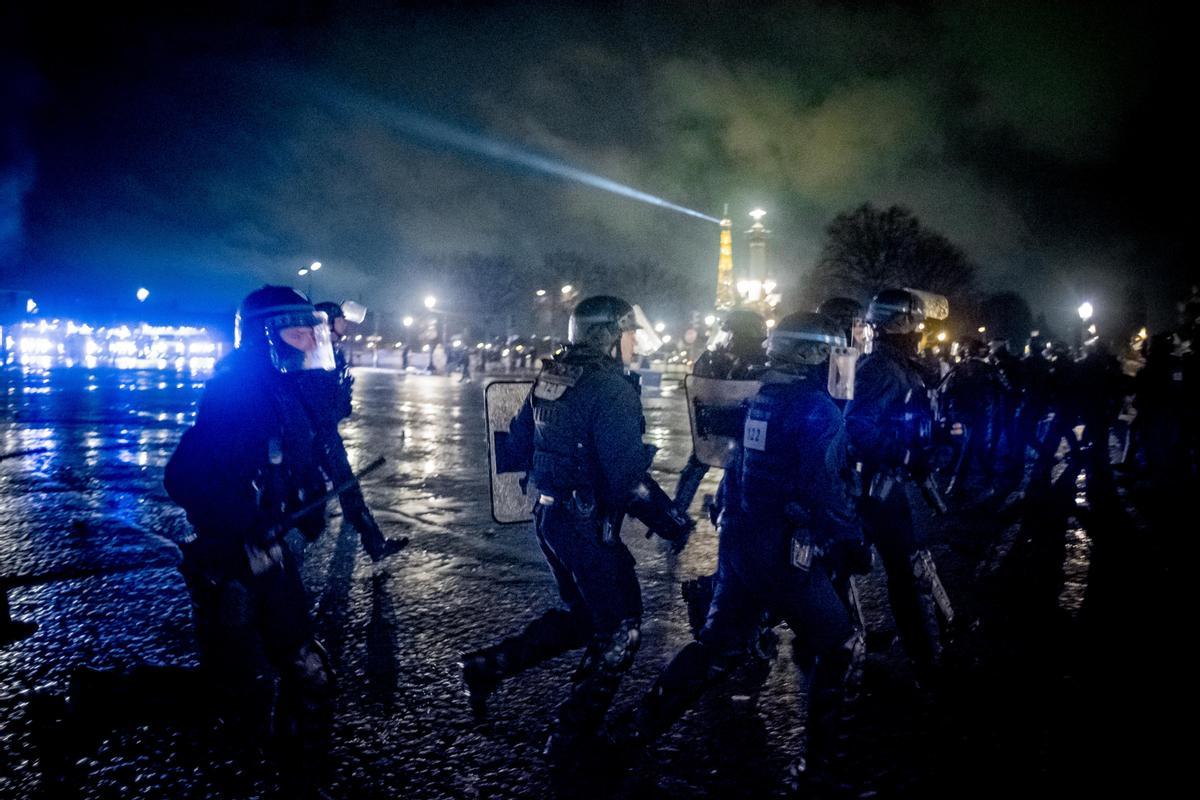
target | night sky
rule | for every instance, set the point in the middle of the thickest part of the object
(201, 153)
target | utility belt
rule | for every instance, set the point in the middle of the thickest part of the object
(582, 505)
(804, 548)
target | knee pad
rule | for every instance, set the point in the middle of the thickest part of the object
(312, 670)
(615, 652)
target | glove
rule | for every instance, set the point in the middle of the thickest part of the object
(678, 534)
(654, 508)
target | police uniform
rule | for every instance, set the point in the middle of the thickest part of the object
(787, 517)
(885, 418)
(251, 460)
(579, 437)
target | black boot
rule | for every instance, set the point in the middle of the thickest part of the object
(834, 686)
(553, 633)
(482, 674)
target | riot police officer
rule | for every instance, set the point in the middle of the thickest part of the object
(579, 437)
(329, 402)
(847, 313)
(787, 524)
(888, 421)
(250, 462)
(972, 400)
(736, 356)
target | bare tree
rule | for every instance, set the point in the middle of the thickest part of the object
(869, 249)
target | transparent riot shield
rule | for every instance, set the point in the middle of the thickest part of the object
(510, 499)
(842, 361)
(716, 409)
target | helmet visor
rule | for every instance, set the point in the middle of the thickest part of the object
(647, 340)
(301, 342)
(354, 312)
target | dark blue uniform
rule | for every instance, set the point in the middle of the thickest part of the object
(786, 500)
(883, 422)
(973, 399)
(252, 456)
(579, 435)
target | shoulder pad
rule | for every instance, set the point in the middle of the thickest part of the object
(556, 377)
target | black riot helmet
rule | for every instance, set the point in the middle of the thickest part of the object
(599, 322)
(896, 311)
(845, 311)
(742, 333)
(745, 325)
(803, 339)
(332, 310)
(271, 316)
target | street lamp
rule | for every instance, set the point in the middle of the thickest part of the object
(540, 292)
(1085, 311)
(408, 321)
(302, 272)
(430, 301)
(941, 337)
(567, 289)
(316, 265)
(142, 294)
(659, 327)
(710, 320)
(983, 329)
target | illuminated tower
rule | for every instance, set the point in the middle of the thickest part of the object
(758, 247)
(725, 295)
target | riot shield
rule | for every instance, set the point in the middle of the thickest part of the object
(936, 306)
(842, 361)
(510, 500)
(717, 409)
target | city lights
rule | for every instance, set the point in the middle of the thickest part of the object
(50, 344)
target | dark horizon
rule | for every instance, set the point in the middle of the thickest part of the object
(202, 153)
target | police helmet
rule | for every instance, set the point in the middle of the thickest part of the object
(267, 312)
(600, 320)
(332, 310)
(845, 311)
(896, 311)
(804, 338)
(742, 324)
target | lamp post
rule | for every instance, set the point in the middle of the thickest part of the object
(1085, 313)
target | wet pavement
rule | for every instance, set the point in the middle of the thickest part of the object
(1056, 620)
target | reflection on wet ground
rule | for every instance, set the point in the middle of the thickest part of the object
(81, 460)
